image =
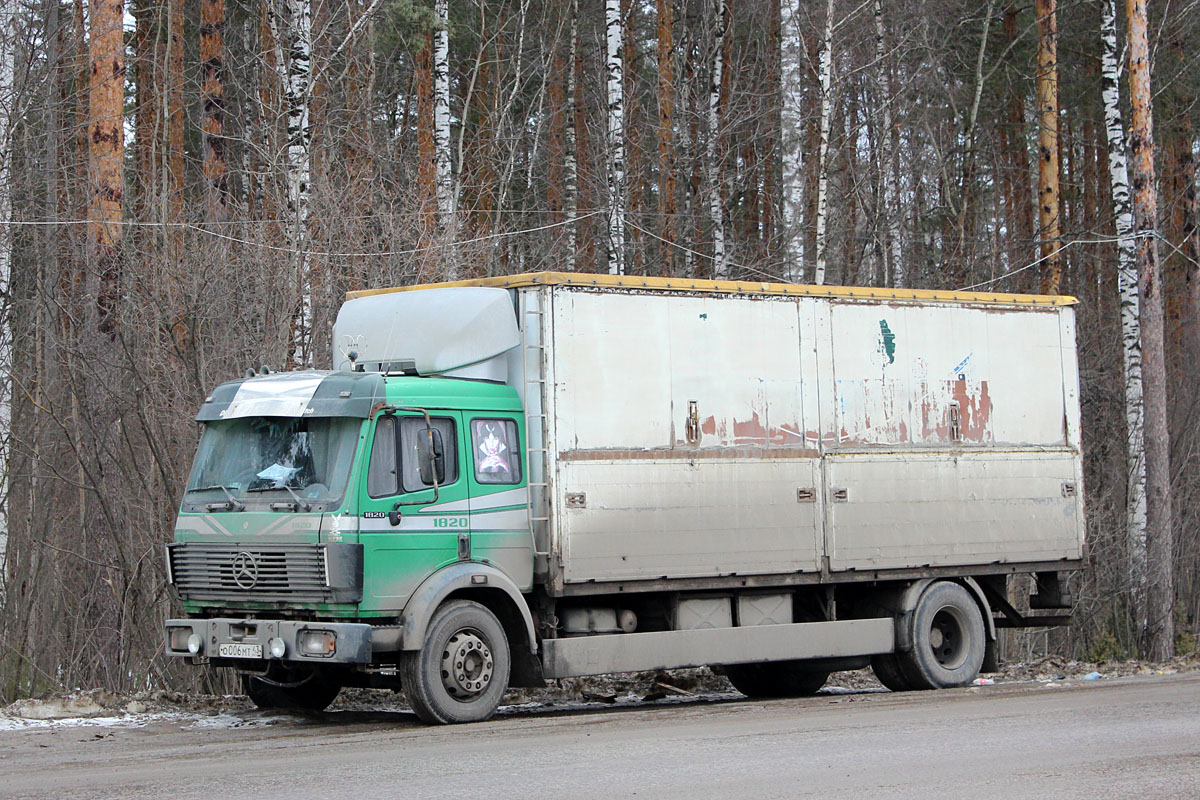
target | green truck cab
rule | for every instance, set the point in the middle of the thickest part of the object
(324, 505)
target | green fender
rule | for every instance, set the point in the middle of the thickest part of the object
(478, 579)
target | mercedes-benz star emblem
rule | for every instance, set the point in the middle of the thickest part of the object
(245, 570)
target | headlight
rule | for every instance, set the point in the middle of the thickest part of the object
(177, 638)
(317, 643)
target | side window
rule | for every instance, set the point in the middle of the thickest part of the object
(496, 451)
(382, 477)
(410, 471)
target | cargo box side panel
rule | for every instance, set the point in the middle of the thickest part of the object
(681, 448)
(947, 375)
(612, 371)
(899, 510)
(631, 520)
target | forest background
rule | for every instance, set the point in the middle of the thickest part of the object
(189, 187)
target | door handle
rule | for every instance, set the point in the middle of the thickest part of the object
(394, 515)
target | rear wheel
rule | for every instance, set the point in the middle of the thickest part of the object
(462, 671)
(948, 639)
(775, 679)
(291, 689)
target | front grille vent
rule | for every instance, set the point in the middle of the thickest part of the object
(291, 572)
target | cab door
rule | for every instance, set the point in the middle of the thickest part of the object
(500, 530)
(409, 527)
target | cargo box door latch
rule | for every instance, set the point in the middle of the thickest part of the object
(692, 426)
(841, 495)
(1068, 489)
(576, 500)
(806, 495)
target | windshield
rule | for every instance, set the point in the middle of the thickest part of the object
(256, 458)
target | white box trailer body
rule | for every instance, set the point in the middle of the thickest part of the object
(707, 437)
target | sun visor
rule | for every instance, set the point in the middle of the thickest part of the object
(431, 331)
(312, 393)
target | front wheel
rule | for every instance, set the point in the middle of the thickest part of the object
(461, 672)
(948, 637)
(775, 679)
(291, 690)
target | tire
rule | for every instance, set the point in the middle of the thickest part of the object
(461, 672)
(948, 639)
(775, 679)
(311, 692)
(887, 670)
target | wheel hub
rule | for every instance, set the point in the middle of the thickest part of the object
(946, 638)
(467, 665)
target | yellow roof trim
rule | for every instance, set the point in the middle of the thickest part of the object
(605, 281)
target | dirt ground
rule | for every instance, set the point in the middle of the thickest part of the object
(568, 693)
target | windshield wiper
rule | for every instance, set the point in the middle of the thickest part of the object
(231, 505)
(300, 504)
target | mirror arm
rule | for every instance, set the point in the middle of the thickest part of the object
(428, 427)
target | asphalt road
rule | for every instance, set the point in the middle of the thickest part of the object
(1131, 737)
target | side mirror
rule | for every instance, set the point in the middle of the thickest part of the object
(431, 457)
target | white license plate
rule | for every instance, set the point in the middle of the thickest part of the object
(231, 650)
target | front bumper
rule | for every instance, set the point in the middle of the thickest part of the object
(247, 641)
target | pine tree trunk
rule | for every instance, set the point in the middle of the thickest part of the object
(959, 269)
(212, 97)
(1048, 189)
(176, 16)
(426, 152)
(666, 122)
(1019, 199)
(587, 193)
(146, 110)
(1160, 595)
(106, 137)
(556, 156)
(614, 69)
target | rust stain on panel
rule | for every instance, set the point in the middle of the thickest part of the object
(975, 410)
(746, 452)
(749, 430)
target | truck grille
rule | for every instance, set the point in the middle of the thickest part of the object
(293, 572)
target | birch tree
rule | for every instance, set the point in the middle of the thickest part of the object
(295, 68)
(8, 41)
(615, 254)
(441, 118)
(1127, 287)
(1160, 594)
(1048, 189)
(570, 171)
(716, 204)
(889, 157)
(792, 69)
(826, 73)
